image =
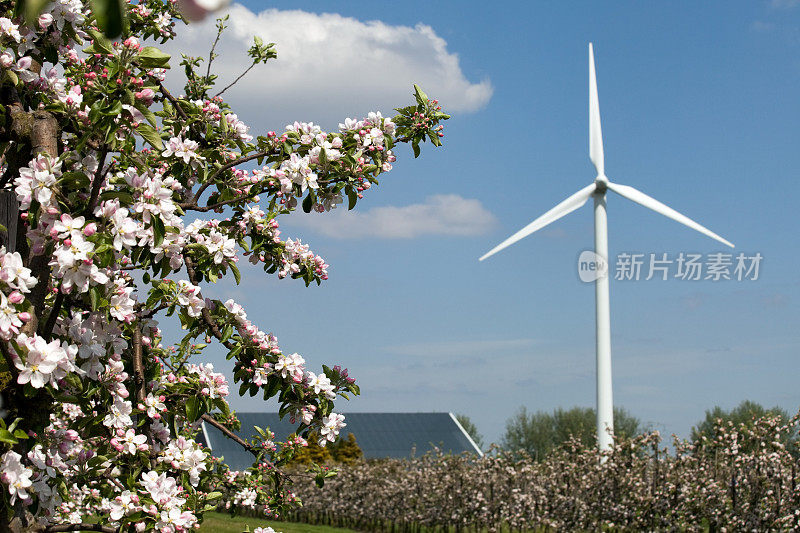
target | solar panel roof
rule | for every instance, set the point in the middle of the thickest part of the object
(379, 435)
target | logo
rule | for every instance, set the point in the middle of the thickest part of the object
(591, 266)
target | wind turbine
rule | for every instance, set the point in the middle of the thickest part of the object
(597, 190)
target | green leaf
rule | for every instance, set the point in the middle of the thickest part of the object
(148, 115)
(101, 44)
(408, 110)
(76, 180)
(125, 198)
(308, 203)
(158, 230)
(421, 97)
(7, 437)
(192, 408)
(226, 333)
(415, 147)
(236, 274)
(236, 351)
(12, 77)
(150, 135)
(31, 9)
(152, 57)
(273, 388)
(352, 197)
(111, 16)
(115, 109)
(94, 297)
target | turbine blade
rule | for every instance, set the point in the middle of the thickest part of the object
(595, 132)
(651, 203)
(564, 208)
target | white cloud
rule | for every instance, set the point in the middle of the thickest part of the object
(330, 67)
(441, 214)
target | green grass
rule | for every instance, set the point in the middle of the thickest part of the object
(223, 523)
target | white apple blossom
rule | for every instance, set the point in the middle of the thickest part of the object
(35, 182)
(320, 384)
(154, 405)
(214, 384)
(119, 415)
(162, 488)
(16, 475)
(184, 149)
(10, 323)
(14, 273)
(9, 29)
(188, 296)
(184, 454)
(291, 366)
(130, 442)
(123, 505)
(41, 360)
(331, 425)
(245, 497)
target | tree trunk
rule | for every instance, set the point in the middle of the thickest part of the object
(38, 132)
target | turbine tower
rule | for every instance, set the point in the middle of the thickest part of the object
(597, 190)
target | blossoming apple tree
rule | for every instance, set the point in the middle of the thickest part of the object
(122, 201)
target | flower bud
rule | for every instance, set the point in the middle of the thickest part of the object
(90, 229)
(16, 297)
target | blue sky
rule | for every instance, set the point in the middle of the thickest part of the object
(700, 109)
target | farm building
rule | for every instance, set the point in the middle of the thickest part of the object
(379, 435)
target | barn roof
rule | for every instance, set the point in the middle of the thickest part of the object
(379, 435)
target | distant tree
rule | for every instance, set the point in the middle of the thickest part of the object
(540, 432)
(742, 417)
(344, 450)
(471, 429)
(313, 453)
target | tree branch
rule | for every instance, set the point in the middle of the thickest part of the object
(80, 527)
(228, 433)
(44, 140)
(150, 313)
(44, 135)
(210, 180)
(138, 365)
(234, 82)
(207, 318)
(211, 207)
(97, 181)
(211, 55)
(173, 100)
